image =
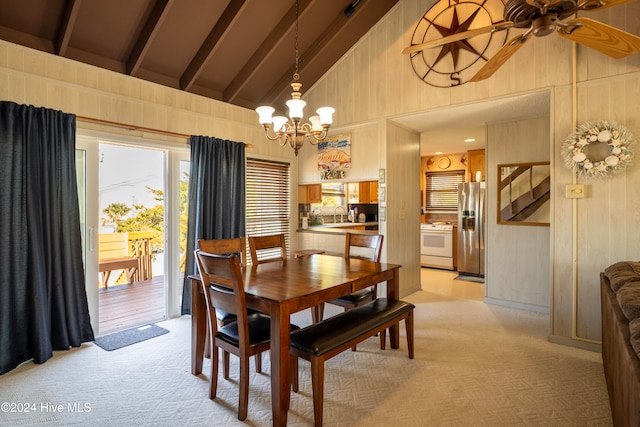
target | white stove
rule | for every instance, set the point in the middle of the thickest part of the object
(436, 245)
(437, 226)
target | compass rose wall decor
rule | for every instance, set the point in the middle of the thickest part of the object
(454, 63)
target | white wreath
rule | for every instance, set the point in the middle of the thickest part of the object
(618, 138)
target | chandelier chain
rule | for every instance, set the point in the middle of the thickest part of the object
(296, 75)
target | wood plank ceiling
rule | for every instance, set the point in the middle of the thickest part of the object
(236, 51)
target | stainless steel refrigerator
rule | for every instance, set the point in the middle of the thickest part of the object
(471, 228)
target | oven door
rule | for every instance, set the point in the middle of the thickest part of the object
(436, 243)
(436, 248)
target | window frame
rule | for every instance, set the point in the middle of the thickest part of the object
(446, 192)
(268, 200)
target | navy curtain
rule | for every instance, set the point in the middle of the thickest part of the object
(43, 304)
(216, 198)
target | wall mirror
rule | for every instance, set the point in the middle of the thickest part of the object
(524, 193)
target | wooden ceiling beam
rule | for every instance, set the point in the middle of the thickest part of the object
(261, 56)
(68, 22)
(199, 61)
(147, 35)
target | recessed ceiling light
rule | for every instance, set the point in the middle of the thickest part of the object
(438, 152)
(470, 140)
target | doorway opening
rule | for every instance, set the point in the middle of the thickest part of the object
(131, 236)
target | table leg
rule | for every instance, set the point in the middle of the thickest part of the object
(280, 366)
(198, 326)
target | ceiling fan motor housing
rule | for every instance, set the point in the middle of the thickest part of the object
(544, 25)
(524, 15)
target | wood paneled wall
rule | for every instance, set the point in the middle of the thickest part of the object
(374, 82)
(518, 256)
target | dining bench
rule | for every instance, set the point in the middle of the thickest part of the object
(323, 340)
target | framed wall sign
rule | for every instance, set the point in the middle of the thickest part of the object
(334, 156)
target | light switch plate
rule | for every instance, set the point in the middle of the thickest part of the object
(574, 191)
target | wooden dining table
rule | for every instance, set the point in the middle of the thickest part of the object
(281, 288)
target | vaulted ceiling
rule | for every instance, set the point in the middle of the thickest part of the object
(237, 51)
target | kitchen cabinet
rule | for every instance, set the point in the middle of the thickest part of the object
(476, 164)
(311, 193)
(362, 192)
(373, 191)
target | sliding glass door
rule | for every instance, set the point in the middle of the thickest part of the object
(130, 192)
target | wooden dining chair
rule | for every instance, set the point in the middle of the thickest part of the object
(247, 336)
(370, 242)
(367, 246)
(267, 248)
(238, 246)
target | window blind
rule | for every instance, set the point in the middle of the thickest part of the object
(267, 197)
(331, 189)
(442, 190)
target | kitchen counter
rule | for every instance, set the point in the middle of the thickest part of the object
(342, 228)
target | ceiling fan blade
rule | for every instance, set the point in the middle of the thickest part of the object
(588, 5)
(497, 60)
(609, 3)
(601, 37)
(457, 37)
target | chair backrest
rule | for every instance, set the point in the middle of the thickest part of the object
(266, 245)
(223, 287)
(237, 245)
(370, 241)
(113, 246)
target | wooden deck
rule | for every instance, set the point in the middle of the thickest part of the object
(127, 306)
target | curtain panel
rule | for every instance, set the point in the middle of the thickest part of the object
(216, 198)
(43, 302)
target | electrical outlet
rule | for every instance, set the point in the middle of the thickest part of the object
(574, 191)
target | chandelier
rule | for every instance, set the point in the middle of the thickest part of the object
(294, 132)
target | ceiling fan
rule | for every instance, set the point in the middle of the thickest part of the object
(541, 18)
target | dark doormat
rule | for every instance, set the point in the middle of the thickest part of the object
(467, 278)
(130, 336)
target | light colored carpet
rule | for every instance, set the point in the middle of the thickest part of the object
(475, 365)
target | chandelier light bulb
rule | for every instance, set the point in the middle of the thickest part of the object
(326, 114)
(264, 114)
(315, 124)
(296, 107)
(279, 123)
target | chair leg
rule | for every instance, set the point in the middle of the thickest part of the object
(207, 345)
(317, 313)
(383, 339)
(294, 373)
(408, 321)
(243, 404)
(258, 361)
(225, 364)
(317, 383)
(213, 378)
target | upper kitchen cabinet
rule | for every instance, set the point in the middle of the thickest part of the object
(362, 192)
(311, 193)
(373, 191)
(476, 164)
